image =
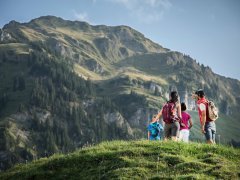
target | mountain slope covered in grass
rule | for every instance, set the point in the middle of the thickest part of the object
(135, 160)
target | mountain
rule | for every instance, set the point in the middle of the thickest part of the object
(135, 160)
(65, 84)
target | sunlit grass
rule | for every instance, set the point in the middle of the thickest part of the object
(135, 160)
(18, 48)
(33, 35)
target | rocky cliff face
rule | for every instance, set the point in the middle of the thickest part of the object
(4, 36)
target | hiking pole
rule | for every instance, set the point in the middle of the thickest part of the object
(219, 138)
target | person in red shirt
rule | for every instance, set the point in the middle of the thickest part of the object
(208, 127)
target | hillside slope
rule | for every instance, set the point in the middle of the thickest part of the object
(135, 160)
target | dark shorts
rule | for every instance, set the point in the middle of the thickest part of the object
(210, 128)
(171, 129)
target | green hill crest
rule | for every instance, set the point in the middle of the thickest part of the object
(135, 160)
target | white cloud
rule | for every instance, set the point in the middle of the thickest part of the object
(157, 3)
(81, 16)
(165, 3)
(129, 4)
(146, 11)
(146, 18)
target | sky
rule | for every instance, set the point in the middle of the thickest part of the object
(206, 30)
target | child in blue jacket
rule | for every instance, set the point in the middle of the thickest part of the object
(154, 129)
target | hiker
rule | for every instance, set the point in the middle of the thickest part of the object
(171, 113)
(154, 129)
(208, 126)
(185, 125)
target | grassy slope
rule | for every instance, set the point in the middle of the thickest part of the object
(18, 48)
(135, 160)
(152, 64)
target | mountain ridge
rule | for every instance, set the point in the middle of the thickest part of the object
(13, 22)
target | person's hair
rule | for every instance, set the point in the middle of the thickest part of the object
(174, 96)
(200, 93)
(183, 106)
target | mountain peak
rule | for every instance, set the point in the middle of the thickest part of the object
(11, 24)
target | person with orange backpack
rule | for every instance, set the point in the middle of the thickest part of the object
(171, 113)
(207, 120)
